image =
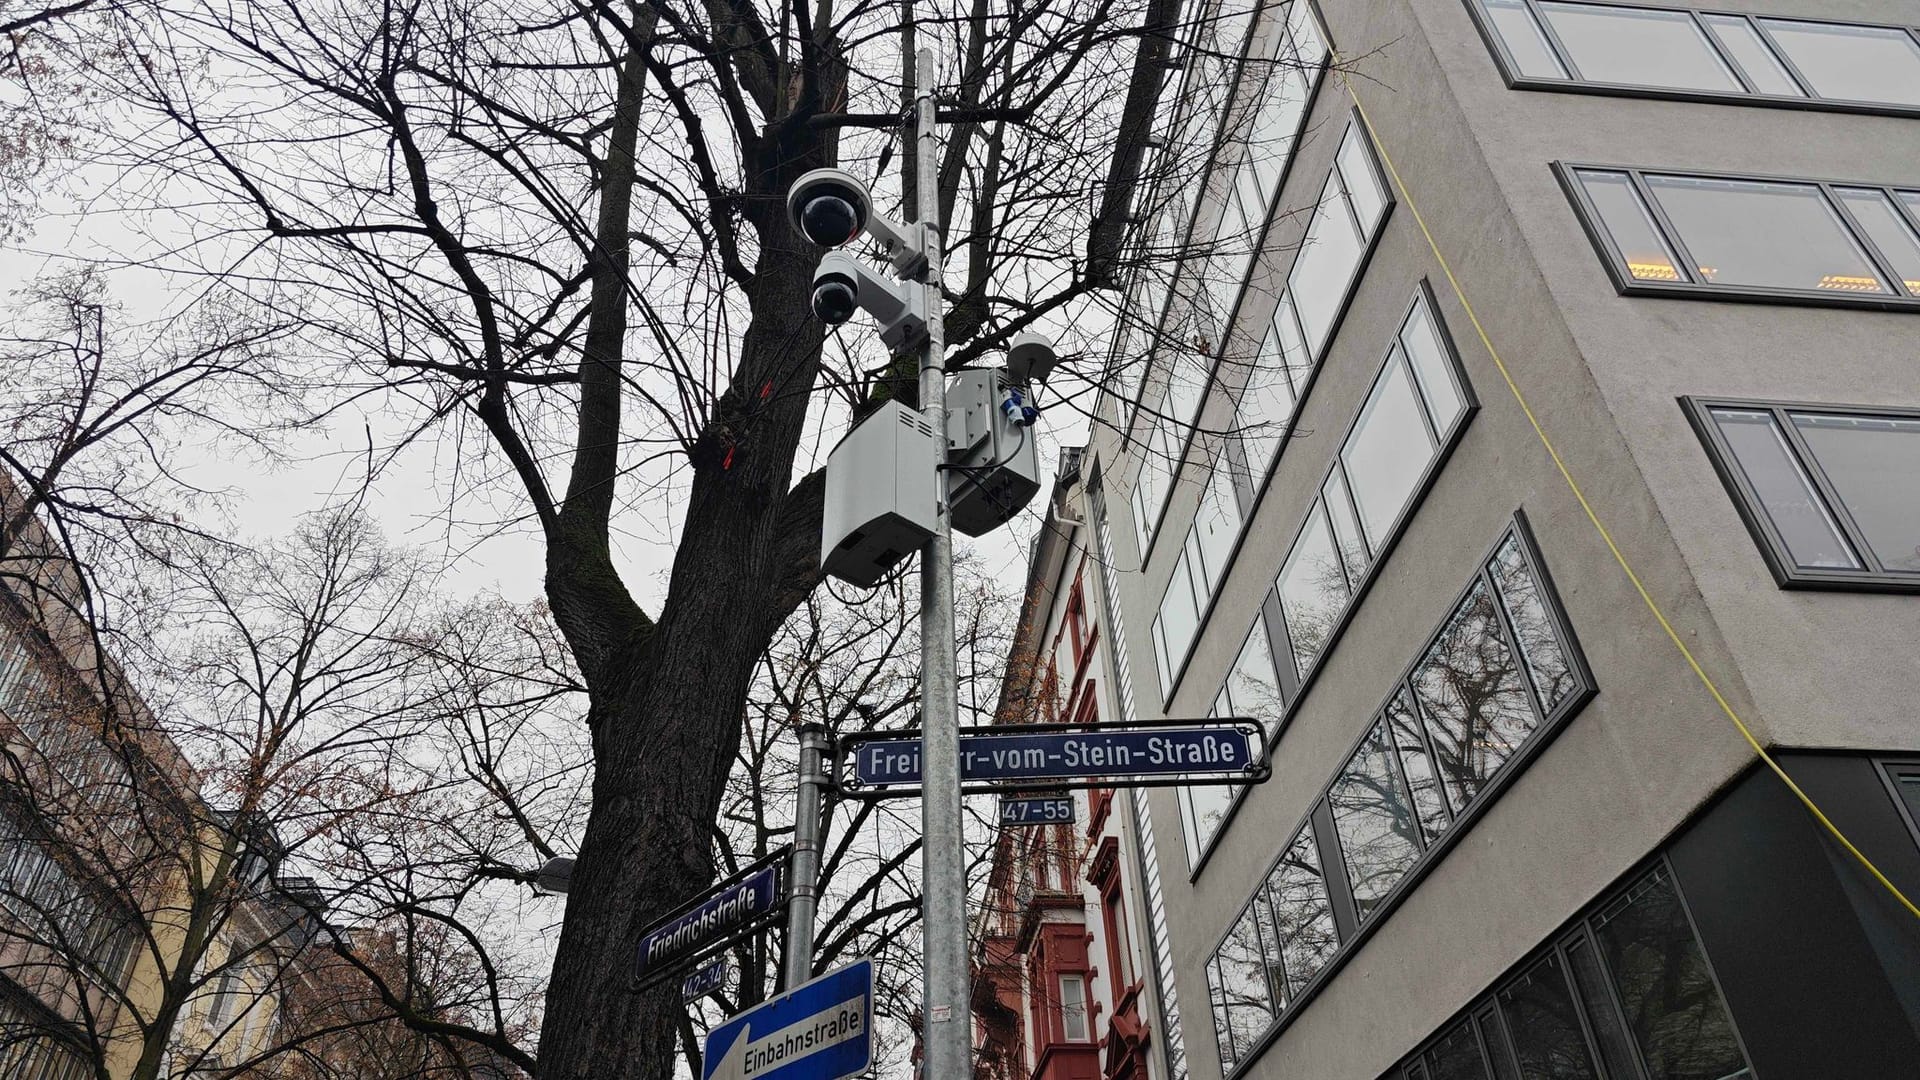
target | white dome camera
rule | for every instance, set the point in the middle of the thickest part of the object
(832, 208)
(829, 207)
(842, 285)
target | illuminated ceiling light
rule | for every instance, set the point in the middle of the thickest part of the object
(1851, 283)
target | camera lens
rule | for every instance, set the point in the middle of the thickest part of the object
(833, 302)
(829, 220)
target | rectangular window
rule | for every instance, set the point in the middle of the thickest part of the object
(1246, 998)
(1416, 407)
(1672, 1006)
(1252, 690)
(1625, 993)
(1373, 815)
(1417, 771)
(1685, 233)
(1073, 1008)
(1688, 52)
(1302, 912)
(1832, 493)
(1903, 780)
(1843, 62)
(1313, 589)
(1473, 698)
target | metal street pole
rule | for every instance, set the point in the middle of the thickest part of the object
(946, 1026)
(803, 870)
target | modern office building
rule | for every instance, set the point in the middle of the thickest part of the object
(1526, 428)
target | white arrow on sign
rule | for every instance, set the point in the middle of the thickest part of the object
(821, 1030)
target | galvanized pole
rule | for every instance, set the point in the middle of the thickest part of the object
(803, 869)
(946, 1025)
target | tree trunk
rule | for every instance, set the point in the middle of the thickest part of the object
(666, 705)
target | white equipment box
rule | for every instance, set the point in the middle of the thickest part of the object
(880, 495)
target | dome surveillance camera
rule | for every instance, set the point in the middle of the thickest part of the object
(829, 207)
(835, 299)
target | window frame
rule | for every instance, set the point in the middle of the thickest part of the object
(1279, 643)
(1558, 946)
(1445, 442)
(1890, 770)
(1509, 69)
(1566, 172)
(1333, 865)
(1746, 501)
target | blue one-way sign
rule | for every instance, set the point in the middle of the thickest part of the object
(820, 1030)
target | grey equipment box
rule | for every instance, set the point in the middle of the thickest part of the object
(994, 464)
(880, 495)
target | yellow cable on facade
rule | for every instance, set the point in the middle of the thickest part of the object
(1592, 516)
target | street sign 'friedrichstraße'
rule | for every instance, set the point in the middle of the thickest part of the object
(1155, 751)
(820, 1030)
(728, 909)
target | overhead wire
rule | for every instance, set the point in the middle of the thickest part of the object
(1593, 516)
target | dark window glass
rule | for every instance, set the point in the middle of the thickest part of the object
(1524, 40)
(1786, 494)
(1672, 1007)
(1547, 663)
(1303, 916)
(1494, 1041)
(1874, 463)
(1422, 779)
(1374, 818)
(1616, 1049)
(1852, 63)
(1626, 219)
(1639, 46)
(1475, 701)
(1541, 1017)
(1907, 784)
(1457, 1056)
(1243, 985)
(1764, 233)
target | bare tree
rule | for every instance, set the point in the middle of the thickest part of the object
(553, 236)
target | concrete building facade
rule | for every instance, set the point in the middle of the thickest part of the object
(1522, 421)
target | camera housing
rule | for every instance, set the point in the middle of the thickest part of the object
(832, 208)
(829, 207)
(842, 283)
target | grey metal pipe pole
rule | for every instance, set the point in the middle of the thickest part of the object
(803, 871)
(946, 1023)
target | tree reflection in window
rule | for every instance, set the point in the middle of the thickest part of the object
(1545, 1025)
(1245, 996)
(1303, 915)
(1671, 1004)
(1373, 815)
(1553, 677)
(1475, 701)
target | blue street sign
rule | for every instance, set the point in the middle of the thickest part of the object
(820, 1030)
(724, 912)
(706, 980)
(1112, 753)
(1037, 810)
